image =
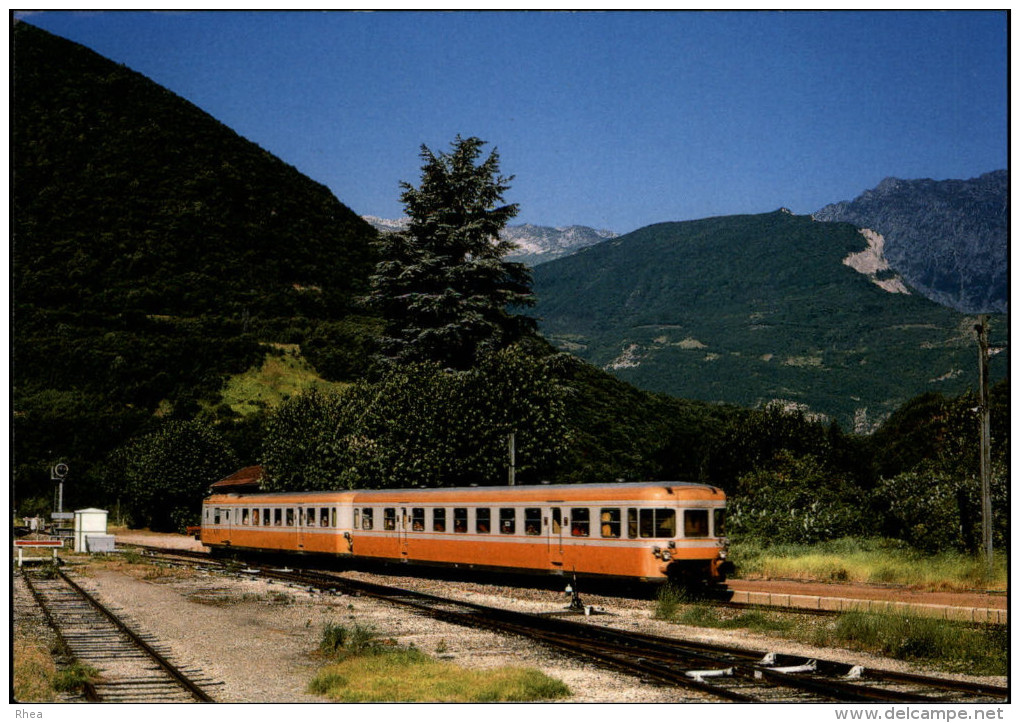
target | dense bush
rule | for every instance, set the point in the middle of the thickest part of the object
(928, 454)
(797, 500)
(934, 510)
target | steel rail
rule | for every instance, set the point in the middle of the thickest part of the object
(744, 663)
(91, 691)
(172, 670)
(603, 644)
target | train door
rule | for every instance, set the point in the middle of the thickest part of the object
(555, 536)
(404, 523)
(301, 528)
(224, 520)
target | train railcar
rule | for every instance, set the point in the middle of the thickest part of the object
(646, 531)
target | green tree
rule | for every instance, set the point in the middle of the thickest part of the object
(754, 438)
(421, 426)
(166, 473)
(797, 500)
(300, 446)
(444, 289)
(508, 392)
(928, 454)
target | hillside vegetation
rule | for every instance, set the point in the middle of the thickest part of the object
(154, 249)
(750, 309)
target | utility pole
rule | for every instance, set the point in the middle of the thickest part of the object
(513, 461)
(986, 455)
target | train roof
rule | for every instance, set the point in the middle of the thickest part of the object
(546, 493)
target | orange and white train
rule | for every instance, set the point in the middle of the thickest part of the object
(646, 531)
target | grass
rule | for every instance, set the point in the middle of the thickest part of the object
(673, 605)
(342, 641)
(367, 669)
(410, 676)
(73, 678)
(279, 377)
(940, 643)
(138, 566)
(756, 621)
(36, 678)
(33, 670)
(668, 602)
(869, 561)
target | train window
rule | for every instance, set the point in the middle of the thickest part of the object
(439, 519)
(582, 520)
(255, 518)
(278, 517)
(660, 522)
(507, 520)
(266, 521)
(311, 516)
(418, 519)
(632, 522)
(244, 516)
(460, 519)
(695, 523)
(324, 517)
(483, 516)
(216, 516)
(665, 523)
(610, 519)
(389, 518)
(290, 517)
(332, 517)
(532, 520)
(719, 522)
(366, 518)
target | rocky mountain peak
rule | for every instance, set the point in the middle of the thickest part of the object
(535, 244)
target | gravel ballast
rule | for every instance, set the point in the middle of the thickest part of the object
(258, 639)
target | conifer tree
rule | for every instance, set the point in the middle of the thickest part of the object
(444, 289)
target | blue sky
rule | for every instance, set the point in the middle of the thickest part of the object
(613, 120)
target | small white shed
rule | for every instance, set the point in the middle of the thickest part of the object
(87, 522)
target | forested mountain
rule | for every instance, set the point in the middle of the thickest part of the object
(749, 309)
(153, 249)
(948, 239)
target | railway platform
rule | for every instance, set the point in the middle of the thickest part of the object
(977, 607)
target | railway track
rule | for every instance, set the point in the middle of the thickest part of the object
(131, 668)
(719, 598)
(726, 672)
